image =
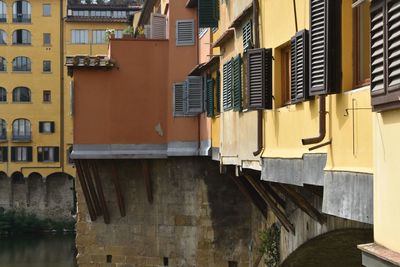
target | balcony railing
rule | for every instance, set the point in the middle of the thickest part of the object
(3, 18)
(22, 138)
(3, 137)
(22, 18)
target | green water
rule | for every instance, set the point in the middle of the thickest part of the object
(37, 250)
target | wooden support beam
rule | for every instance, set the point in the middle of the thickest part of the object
(118, 191)
(251, 196)
(274, 195)
(147, 180)
(299, 200)
(99, 188)
(85, 190)
(90, 185)
(268, 199)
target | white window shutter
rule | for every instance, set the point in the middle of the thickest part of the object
(195, 94)
(158, 26)
(184, 32)
(147, 31)
(179, 99)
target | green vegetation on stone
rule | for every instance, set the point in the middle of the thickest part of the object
(269, 246)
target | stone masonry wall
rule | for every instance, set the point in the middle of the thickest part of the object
(51, 197)
(198, 218)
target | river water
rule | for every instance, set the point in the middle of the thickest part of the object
(37, 250)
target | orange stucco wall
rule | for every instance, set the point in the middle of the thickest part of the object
(126, 104)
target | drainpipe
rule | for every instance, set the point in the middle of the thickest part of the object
(260, 113)
(322, 124)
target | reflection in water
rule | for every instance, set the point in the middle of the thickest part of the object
(37, 250)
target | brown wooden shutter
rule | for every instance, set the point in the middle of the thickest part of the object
(385, 54)
(325, 43)
(299, 67)
(259, 78)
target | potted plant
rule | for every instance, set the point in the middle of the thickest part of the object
(128, 32)
(140, 32)
(110, 34)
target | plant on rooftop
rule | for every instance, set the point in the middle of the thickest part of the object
(129, 31)
(110, 33)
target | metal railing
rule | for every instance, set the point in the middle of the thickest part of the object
(22, 138)
(3, 17)
(24, 18)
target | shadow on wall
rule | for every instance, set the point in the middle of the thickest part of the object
(336, 248)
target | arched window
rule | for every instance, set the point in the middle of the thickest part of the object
(22, 130)
(3, 11)
(3, 130)
(3, 64)
(22, 64)
(3, 37)
(22, 11)
(21, 94)
(3, 94)
(22, 37)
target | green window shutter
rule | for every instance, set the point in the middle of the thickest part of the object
(56, 154)
(299, 67)
(13, 153)
(218, 92)
(325, 45)
(227, 86)
(247, 35)
(40, 154)
(210, 98)
(4, 154)
(29, 154)
(237, 83)
(208, 13)
(259, 78)
(52, 127)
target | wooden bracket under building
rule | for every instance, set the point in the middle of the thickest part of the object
(300, 201)
(120, 197)
(268, 199)
(99, 188)
(147, 180)
(85, 190)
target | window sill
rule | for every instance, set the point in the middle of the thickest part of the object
(21, 102)
(46, 102)
(47, 72)
(47, 45)
(22, 44)
(21, 72)
(47, 133)
(21, 161)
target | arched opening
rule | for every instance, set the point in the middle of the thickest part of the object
(336, 248)
(60, 194)
(37, 192)
(22, 11)
(22, 37)
(3, 93)
(5, 191)
(18, 190)
(21, 94)
(22, 64)
(22, 130)
(3, 37)
(3, 64)
(3, 11)
(3, 130)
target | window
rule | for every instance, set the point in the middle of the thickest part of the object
(227, 86)
(21, 37)
(208, 13)
(232, 84)
(3, 64)
(325, 44)
(22, 11)
(3, 95)
(210, 98)
(21, 64)
(184, 32)
(21, 154)
(80, 36)
(385, 56)
(47, 96)
(118, 33)
(259, 78)
(4, 154)
(46, 127)
(3, 37)
(46, 10)
(299, 67)
(46, 66)
(3, 130)
(98, 36)
(247, 35)
(46, 39)
(21, 94)
(285, 75)
(3, 11)
(22, 130)
(188, 97)
(48, 154)
(361, 39)
(119, 14)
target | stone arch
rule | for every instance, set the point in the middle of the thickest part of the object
(19, 190)
(335, 248)
(60, 195)
(36, 193)
(5, 190)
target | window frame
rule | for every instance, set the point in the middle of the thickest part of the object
(3, 35)
(22, 59)
(21, 34)
(48, 154)
(15, 96)
(95, 33)
(46, 34)
(43, 10)
(3, 64)
(44, 96)
(22, 130)
(3, 93)
(46, 66)
(78, 41)
(285, 75)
